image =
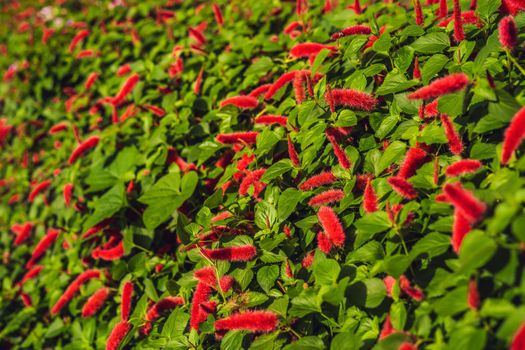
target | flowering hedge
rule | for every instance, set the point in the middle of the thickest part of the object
(262, 174)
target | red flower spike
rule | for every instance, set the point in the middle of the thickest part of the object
(91, 79)
(239, 253)
(350, 98)
(439, 87)
(309, 49)
(248, 137)
(407, 346)
(331, 225)
(68, 192)
(459, 33)
(369, 198)
(464, 201)
(258, 91)
(32, 273)
(308, 260)
(198, 315)
(518, 341)
(271, 119)
(462, 167)
(402, 187)
(387, 328)
(254, 321)
(84, 147)
(417, 70)
(436, 170)
(198, 82)
(292, 153)
(508, 33)
(117, 334)
(326, 197)
(353, 30)
(298, 86)
(22, 232)
(73, 288)
(95, 302)
(323, 242)
(419, 13)
(319, 180)
(123, 70)
(413, 292)
(125, 89)
(414, 159)
(125, 303)
(460, 229)
(278, 84)
(154, 312)
(253, 178)
(39, 188)
(454, 141)
(217, 14)
(240, 102)
(42, 246)
(514, 135)
(81, 35)
(473, 295)
(109, 254)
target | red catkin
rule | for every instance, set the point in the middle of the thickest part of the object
(443, 8)
(68, 192)
(326, 197)
(298, 86)
(323, 242)
(518, 341)
(419, 13)
(240, 101)
(508, 33)
(353, 30)
(217, 14)
(22, 232)
(198, 314)
(125, 89)
(331, 225)
(258, 91)
(292, 153)
(252, 178)
(95, 302)
(454, 141)
(269, 119)
(369, 198)
(248, 137)
(417, 70)
(315, 181)
(514, 135)
(439, 87)
(309, 49)
(90, 80)
(402, 187)
(32, 273)
(459, 33)
(84, 147)
(81, 35)
(407, 346)
(414, 159)
(278, 84)
(125, 304)
(240, 253)
(159, 112)
(198, 82)
(464, 201)
(387, 328)
(58, 128)
(73, 288)
(254, 321)
(123, 70)
(406, 287)
(338, 151)
(154, 312)
(117, 335)
(109, 254)
(42, 246)
(351, 98)
(464, 166)
(37, 189)
(473, 294)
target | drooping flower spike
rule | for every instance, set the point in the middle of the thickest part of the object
(325, 178)
(508, 33)
(95, 302)
(309, 49)
(462, 167)
(83, 148)
(351, 98)
(117, 335)
(402, 187)
(353, 30)
(326, 197)
(73, 288)
(248, 102)
(454, 141)
(514, 135)
(248, 137)
(464, 201)
(238, 253)
(253, 321)
(439, 87)
(332, 226)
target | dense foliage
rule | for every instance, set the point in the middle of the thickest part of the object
(251, 174)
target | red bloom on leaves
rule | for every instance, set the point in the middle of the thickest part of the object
(292, 153)
(353, 30)
(460, 229)
(240, 253)
(473, 294)
(22, 232)
(248, 137)
(309, 49)
(240, 101)
(253, 178)
(413, 292)
(464, 201)
(117, 334)
(126, 89)
(95, 302)
(518, 342)
(315, 181)
(351, 98)
(85, 54)
(81, 35)
(436, 170)
(338, 151)
(123, 70)
(96, 229)
(439, 87)
(32, 273)
(217, 14)
(278, 84)
(508, 32)
(109, 254)
(58, 127)
(254, 321)
(464, 166)
(68, 192)
(91, 79)
(326, 197)
(298, 86)
(198, 82)
(369, 198)
(125, 303)
(443, 8)
(73, 288)
(258, 91)
(454, 141)
(200, 296)
(84, 147)
(37, 189)
(271, 119)
(159, 112)
(387, 328)
(419, 13)
(308, 260)
(42, 246)
(323, 242)
(417, 71)
(430, 110)
(459, 33)
(514, 135)
(154, 312)
(407, 346)
(414, 159)
(331, 225)
(402, 187)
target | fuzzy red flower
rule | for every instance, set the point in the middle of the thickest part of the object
(464, 166)
(248, 137)
(454, 141)
(298, 86)
(417, 70)
(323, 242)
(254, 321)
(406, 287)
(407, 346)
(39, 188)
(154, 312)
(402, 187)
(331, 225)
(464, 201)
(91, 79)
(292, 153)
(315, 181)
(309, 49)
(369, 198)
(414, 159)
(353, 30)
(240, 101)
(200, 296)
(73, 288)
(95, 302)
(81, 35)
(459, 33)
(108, 254)
(271, 119)
(518, 341)
(351, 98)
(473, 295)
(439, 87)
(22, 232)
(125, 303)
(508, 32)
(326, 197)
(42, 246)
(217, 14)
(258, 91)
(126, 89)
(419, 13)
(117, 335)
(123, 70)
(338, 151)
(32, 273)
(253, 178)
(443, 8)
(68, 191)
(514, 135)
(84, 147)
(240, 253)
(387, 328)
(278, 84)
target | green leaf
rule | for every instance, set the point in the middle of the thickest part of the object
(266, 277)
(306, 343)
(395, 82)
(107, 205)
(326, 271)
(175, 324)
(433, 244)
(476, 250)
(394, 152)
(277, 169)
(305, 303)
(232, 340)
(432, 43)
(288, 201)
